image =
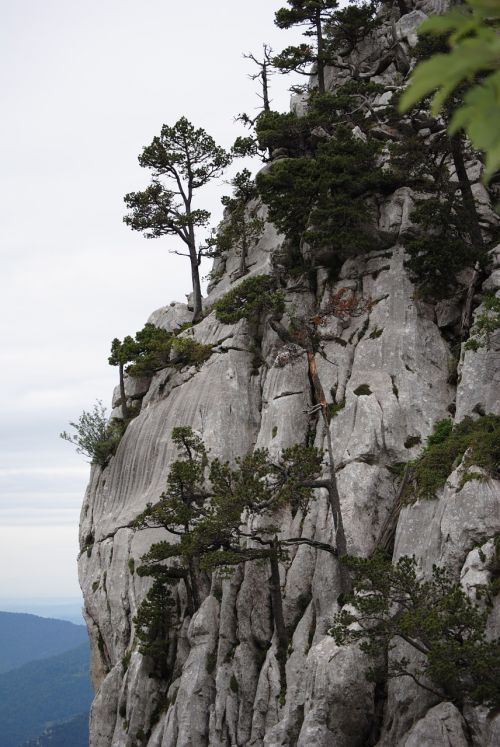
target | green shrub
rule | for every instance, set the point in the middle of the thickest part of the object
(333, 408)
(434, 617)
(95, 436)
(447, 446)
(188, 352)
(442, 249)
(322, 198)
(150, 351)
(254, 296)
(487, 322)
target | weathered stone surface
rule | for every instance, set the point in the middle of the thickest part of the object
(337, 709)
(388, 362)
(395, 214)
(442, 726)
(171, 317)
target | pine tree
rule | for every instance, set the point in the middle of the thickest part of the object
(310, 14)
(182, 159)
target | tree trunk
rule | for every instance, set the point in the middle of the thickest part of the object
(465, 189)
(385, 540)
(195, 276)
(123, 398)
(321, 62)
(195, 593)
(334, 500)
(333, 491)
(467, 312)
(279, 620)
(244, 248)
(265, 88)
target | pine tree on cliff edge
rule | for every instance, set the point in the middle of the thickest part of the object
(311, 14)
(182, 159)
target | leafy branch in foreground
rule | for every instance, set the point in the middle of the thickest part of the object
(435, 617)
(474, 61)
(95, 436)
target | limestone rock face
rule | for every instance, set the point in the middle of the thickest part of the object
(442, 726)
(392, 370)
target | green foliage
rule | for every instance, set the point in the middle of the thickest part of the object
(250, 299)
(153, 624)
(188, 352)
(152, 349)
(486, 323)
(446, 238)
(324, 110)
(145, 354)
(95, 436)
(203, 506)
(442, 248)
(322, 199)
(473, 59)
(434, 617)
(333, 408)
(182, 159)
(282, 130)
(441, 432)
(311, 16)
(183, 153)
(241, 227)
(348, 26)
(447, 446)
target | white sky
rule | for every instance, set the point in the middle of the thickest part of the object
(85, 85)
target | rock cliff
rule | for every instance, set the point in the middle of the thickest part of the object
(397, 368)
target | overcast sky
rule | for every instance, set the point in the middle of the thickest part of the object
(85, 85)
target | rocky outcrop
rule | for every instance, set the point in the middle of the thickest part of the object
(393, 366)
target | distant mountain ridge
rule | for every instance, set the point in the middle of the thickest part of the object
(72, 733)
(38, 695)
(28, 637)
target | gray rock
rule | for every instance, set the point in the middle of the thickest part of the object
(442, 726)
(387, 360)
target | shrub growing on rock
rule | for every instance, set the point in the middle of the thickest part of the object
(435, 617)
(322, 199)
(95, 436)
(478, 440)
(249, 299)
